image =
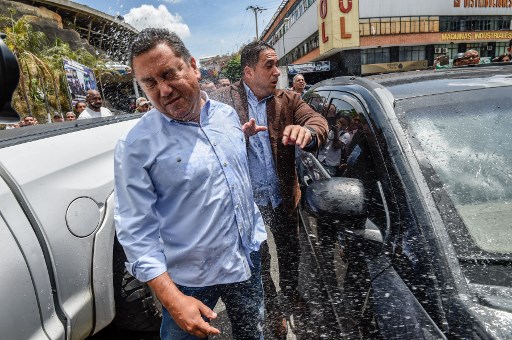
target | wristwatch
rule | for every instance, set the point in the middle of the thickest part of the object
(312, 131)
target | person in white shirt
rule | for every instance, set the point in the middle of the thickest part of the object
(94, 108)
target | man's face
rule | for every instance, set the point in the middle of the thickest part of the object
(143, 108)
(170, 83)
(80, 107)
(298, 84)
(70, 116)
(94, 100)
(29, 120)
(262, 79)
(342, 124)
(224, 82)
(208, 87)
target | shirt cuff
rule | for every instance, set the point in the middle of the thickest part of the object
(148, 266)
(311, 145)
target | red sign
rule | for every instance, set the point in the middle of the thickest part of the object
(343, 8)
(323, 9)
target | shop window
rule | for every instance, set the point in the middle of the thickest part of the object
(411, 53)
(375, 56)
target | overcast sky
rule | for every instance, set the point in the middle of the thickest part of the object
(208, 27)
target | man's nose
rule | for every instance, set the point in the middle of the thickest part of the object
(277, 73)
(164, 88)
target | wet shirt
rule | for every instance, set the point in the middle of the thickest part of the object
(261, 163)
(88, 113)
(184, 200)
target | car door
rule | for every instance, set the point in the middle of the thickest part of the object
(369, 295)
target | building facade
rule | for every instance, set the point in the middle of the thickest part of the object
(359, 37)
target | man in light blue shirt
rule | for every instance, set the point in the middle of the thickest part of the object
(184, 213)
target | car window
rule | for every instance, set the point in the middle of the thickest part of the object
(317, 100)
(359, 152)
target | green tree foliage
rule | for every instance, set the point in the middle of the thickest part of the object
(43, 86)
(233, 71)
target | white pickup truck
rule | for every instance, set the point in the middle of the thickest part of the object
(63, 272)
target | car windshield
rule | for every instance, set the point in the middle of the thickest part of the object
(464, 144)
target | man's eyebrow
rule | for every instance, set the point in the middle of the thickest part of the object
(148, 79)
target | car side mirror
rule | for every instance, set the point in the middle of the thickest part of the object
(338, 201)
(9, 78)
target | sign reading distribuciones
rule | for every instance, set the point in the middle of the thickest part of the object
(80, 79)
(314, 66)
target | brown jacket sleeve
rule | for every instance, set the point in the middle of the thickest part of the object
(303, 115)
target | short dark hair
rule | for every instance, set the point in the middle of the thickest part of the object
(344, 116)
(149, 38)
(78, 102)
(251, 53)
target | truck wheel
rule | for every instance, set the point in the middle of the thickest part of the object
(137, 307)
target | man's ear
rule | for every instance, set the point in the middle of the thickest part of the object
(193, 64)
(248, 72)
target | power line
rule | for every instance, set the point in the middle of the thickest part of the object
(241, 28)
(256, 9)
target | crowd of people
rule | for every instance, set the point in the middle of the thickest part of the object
(90, 108)
(470, 57)
(209, 86)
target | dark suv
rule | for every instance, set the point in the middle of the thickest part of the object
(413, 239)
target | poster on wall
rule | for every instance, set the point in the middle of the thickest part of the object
(394, 67)
(79, 78)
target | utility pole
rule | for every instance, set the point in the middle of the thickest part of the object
(256, 9)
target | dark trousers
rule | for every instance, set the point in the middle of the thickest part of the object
(285, 229)
(244, 306)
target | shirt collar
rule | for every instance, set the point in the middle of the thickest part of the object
(252, 98)
(202, 115)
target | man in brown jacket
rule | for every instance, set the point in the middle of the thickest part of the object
(275, 121)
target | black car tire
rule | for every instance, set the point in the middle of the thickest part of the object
(137, 308)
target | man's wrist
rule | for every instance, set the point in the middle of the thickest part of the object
(314, 140)
(312, 132)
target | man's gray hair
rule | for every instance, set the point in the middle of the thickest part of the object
(297, 75)
(149, 38)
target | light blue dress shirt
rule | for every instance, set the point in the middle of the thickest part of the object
(261, 163)
(184, 199)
